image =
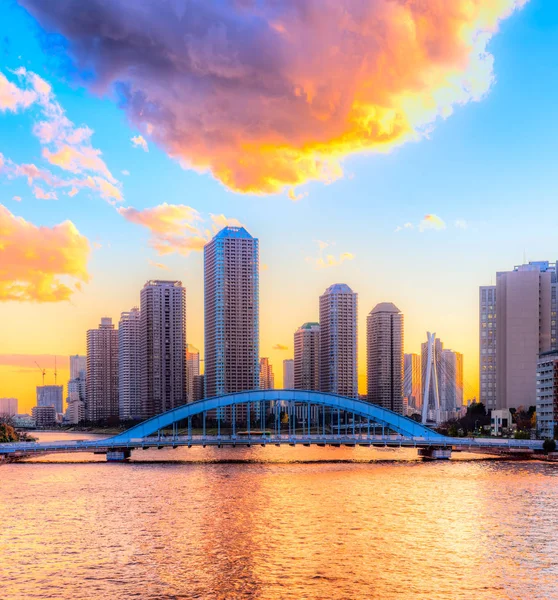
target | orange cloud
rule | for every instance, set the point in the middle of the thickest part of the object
(158, 265)
(280, 347)
(40, 194)
(42, 264)
(78, 159)
(323, 260)
(432, 222)
(287, 99)
(12, 97)
(139, 142)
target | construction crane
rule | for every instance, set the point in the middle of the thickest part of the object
(43, 371)
(55, 373)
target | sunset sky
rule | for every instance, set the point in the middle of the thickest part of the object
(407, 151)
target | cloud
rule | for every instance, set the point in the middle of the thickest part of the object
(294, 196)
(269, 95)
(404, 226)
(431, 222)
(139, 142)
(17, 198)
(177, 228)
(42, 264)
(64, 145)
(461, 224)
(158, 265)
(125, 172)
(280, 347)
(40, 194)
(29, 361)
(324, 261)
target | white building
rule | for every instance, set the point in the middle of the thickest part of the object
(500, 421)
(78, 366)
(102, 372)
(288, 374)
(547, 394)
(384, 344)
(338, 341)
(129, 366)
(192, 368)
(163, 346)
(8, 407)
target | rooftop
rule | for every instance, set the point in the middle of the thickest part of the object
(234, 232)
(338, 288)
(385, 307)
(309, 325)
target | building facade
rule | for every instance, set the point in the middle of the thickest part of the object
(198, 388)
(307, 357)
(231, 306)
(384, 343)
(547, 394)
(51, 395)
(78, 366)
(129, 365)
(164, 383)
(267, 378)
(338, 341)
(451, 383)
(192, 368)
(431, 386)
(412, 382)
(102, 372)
(288, 374)
(487, 350)
(8, 407)
(44, 416)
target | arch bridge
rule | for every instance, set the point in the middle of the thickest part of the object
(276, 417)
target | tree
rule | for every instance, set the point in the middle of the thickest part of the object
(549, 446)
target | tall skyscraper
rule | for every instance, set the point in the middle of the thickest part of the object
(487, 341)
(231, 296)
(198, 388)
(78, 366)
(102, 372)
(338, 341)
(192, 368)
(51, 395)
(288, 374)
(451, 383)
(385, 356)
(267, 379)
(163, 346)
(307, 357)
(431, 364)
(129, 365)
(412, 381)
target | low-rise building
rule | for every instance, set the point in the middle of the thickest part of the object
(500, 421)
(44, 416)
(8, 407)
(547, 393)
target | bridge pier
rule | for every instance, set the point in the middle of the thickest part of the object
(433, 453)
(119, 455)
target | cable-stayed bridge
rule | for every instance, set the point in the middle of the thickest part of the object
(277, 417)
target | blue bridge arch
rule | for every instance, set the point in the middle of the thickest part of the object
(382, 416)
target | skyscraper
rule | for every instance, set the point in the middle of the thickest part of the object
(192, 368)
(8, 407)
(102, 372)
(412, 382)
(267, 378)
(517, 323)
(77, 381)
(431, 364)
(288, 374)
(51, 395)
(231, 297)
(129, 365)
(307, 357)
(385, 356)
(78, 366)
(338, 341)
(451, 383)
(163, 346)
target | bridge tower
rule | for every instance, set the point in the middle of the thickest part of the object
(431, 394)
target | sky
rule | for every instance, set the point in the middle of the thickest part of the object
(408, 151)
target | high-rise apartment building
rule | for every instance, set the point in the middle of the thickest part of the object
(547, 394)
(231, 298)
(307, 357)
(51, 395)
(338, 341)
(78, 366)
(102, 372)
(129, 365)
(267, 379)
(162, 346)
(412, 382)
(198, 388)
(451, 383)
(384, 326)
(517, 322)
(192, 368)
(431, 376)
(8, 407)
(288, 374)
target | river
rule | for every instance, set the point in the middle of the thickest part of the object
(274, 523)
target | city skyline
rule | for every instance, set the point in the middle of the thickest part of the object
(337, 231)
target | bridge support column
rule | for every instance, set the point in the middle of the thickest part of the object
(432, 453)
(119, 455)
